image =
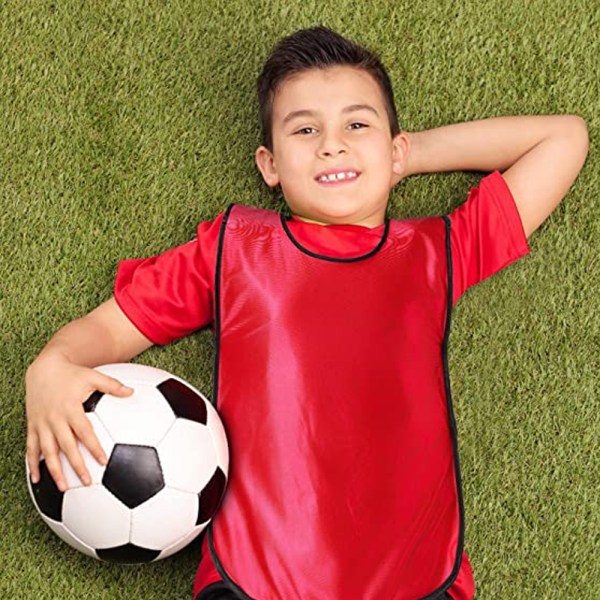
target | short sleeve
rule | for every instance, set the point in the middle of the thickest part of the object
(486, 234)
(170, 295)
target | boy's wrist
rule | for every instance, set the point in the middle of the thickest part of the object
(412, 164)
(48, 358)
(414, 158)
(400, 173)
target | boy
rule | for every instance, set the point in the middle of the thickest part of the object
(331, 332)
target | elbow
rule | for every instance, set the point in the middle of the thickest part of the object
(578, 128)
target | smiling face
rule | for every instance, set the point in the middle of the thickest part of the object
(333, 153)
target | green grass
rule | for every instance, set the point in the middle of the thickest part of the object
(124, 124)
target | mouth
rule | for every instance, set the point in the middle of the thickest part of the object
(337, 177)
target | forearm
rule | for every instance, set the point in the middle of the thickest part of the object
(103, 336)
(482, 145)
(83, 342)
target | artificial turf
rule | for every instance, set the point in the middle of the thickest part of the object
(124, 124)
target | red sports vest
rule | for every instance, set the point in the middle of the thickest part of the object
(331, 378)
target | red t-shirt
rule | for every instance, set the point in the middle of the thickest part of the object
(170, 295)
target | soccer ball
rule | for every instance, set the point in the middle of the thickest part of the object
(168, 463)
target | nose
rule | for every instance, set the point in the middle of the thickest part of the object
(331, 144)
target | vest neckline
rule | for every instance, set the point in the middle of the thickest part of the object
(305, 250)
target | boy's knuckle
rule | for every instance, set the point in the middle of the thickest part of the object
(53, 467)
(82, 424)
(79, 468)
(54, 416)
(68, 446)
(48, 450)
(92, 445)
(85, 433)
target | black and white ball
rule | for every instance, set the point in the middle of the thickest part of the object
(168, 463)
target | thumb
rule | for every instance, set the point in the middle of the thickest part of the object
(110, 385)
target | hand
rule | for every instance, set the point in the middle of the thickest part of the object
(55, 392)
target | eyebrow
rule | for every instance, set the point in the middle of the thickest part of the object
(311, 113)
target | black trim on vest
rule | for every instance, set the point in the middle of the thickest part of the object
(236, 588)
(450, 293)
(219, 590)
(220, 569)
(333, 258)
(441, 592)
(217, 301)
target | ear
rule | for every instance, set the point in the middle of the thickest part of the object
(400, 152)
(266, 165)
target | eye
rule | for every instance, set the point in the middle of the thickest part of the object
(360, 125)
(300, 131)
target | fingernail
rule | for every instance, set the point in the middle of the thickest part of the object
(86, 480)
(61, 486)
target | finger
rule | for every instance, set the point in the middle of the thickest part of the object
(83, 429)
(110, 385)
(68, 444)
(33, 456)
(49, 449)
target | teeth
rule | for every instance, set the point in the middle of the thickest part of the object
(338, 176)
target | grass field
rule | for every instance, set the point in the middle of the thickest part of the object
(124, 124)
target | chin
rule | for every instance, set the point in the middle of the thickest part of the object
(322, 214)
(337, 216)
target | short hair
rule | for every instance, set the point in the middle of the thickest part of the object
(317, 48)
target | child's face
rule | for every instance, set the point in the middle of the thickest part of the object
(341, 125)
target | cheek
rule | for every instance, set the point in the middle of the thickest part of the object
(382, 157)
(298, 157)
(295, 167)
(381, 165)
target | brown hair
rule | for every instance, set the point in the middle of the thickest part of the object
(317, 48)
